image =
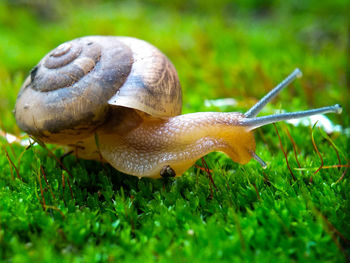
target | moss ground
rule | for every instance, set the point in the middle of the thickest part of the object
(221, 50)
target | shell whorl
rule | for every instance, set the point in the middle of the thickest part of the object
(152, 85)
(66, 65)
(65, 96)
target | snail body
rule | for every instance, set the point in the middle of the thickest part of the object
(126, 93)
(177, 142)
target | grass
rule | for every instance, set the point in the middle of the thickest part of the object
(238, 50)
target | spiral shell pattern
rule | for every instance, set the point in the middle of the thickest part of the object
(54, 72)
(65, 97)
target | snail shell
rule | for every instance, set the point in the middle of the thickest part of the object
(72, 91)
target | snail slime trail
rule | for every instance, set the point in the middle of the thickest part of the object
(126, 93)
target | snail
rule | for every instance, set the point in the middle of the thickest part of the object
(120, 98)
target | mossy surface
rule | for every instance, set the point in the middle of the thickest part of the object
(222, 49)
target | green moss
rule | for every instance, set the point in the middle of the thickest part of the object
(225, 49)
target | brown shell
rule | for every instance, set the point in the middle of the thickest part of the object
(69, 94)
(152, 85)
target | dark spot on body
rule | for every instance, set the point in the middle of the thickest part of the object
(167, 172)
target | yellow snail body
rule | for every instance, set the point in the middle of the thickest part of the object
(120, 98)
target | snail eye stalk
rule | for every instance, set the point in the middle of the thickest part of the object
(254, 122)
(257, 122)
(253, 111)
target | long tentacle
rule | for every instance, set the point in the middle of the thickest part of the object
(253, 111)
(257, 122)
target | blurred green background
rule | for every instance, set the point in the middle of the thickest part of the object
(221, 49)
